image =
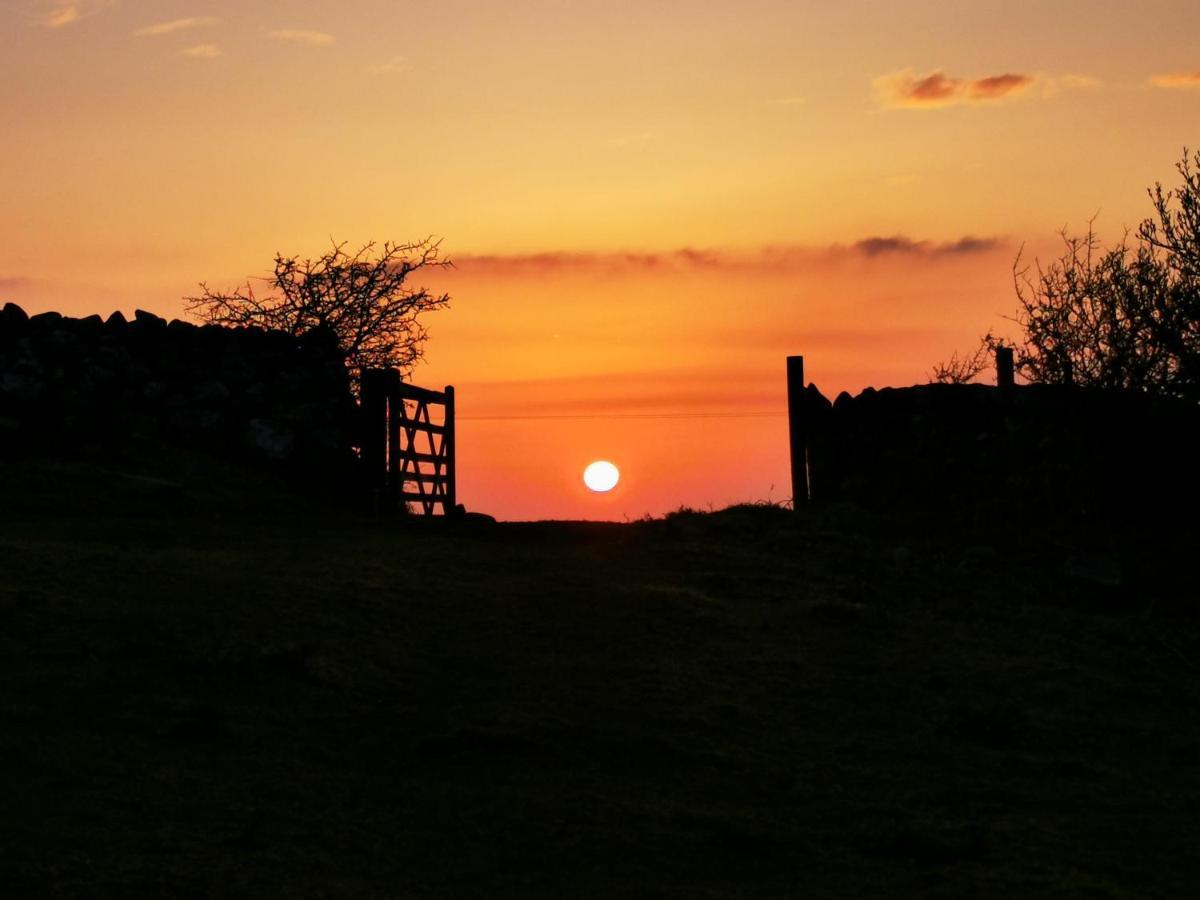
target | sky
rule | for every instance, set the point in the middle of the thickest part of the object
(649, 204)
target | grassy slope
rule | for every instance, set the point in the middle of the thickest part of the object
(744, 704)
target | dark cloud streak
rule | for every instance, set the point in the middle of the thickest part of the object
(767, 258)
(933, 88)
(998, 86)
(899, 244)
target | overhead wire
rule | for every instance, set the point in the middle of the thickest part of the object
(758, 414)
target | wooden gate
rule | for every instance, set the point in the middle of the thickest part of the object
(407, 452)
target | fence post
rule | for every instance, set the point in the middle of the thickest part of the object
(1004, 367)
(394, 414)
(373, 385)
(797, 431)
(451, 506)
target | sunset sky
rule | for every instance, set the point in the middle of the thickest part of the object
(649, 204)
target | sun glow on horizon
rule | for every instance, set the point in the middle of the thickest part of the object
(601, 476)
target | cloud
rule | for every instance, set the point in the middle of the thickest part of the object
(560, 261)
(1076, 82)
(932, 89)
(996, 86)
(1052, 86)
(302, 37)
(14, 282)
(174, 25)
(899, 244)
(393, 66)
(906, 89)
(202, 51)
(60, 13)
(789, 257)
(1177, 80)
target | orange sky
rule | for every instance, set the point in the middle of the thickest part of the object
(650, 203)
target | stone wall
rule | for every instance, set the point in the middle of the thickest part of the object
(103, 386)
(1071, 459)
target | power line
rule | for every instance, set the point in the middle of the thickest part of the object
(760, 414)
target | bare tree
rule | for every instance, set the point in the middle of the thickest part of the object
(1177, 231)
(361, 297)
(1124, 316)
(1175, 235)
(1092, 316)
(962, 369)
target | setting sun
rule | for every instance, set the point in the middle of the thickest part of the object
(601, 476)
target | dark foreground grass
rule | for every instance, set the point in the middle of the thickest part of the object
(742, 704)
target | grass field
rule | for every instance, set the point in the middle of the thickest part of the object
(207, 703)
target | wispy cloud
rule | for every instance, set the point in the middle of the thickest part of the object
(14, 282)
(393, 66)
(902, 245)
(302, 37)
(1076, 82)
(1055, 85)
(1177, 80)
(202, 51)
(60, 13)
(772, 258)
(906, 89)
(161, 28)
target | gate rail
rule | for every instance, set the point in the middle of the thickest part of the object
(407, 454)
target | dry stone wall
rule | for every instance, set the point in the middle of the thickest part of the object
(1120, 464)
(98, 386)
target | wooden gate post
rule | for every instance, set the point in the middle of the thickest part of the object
(797, 431)
(394, 415)
(1004, 367)
(373, 385)
(450, 507)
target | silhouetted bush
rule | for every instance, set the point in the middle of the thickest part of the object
(360, 298)
(962, 369)
(1126, 316)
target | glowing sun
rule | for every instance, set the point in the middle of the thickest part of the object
(601, 476)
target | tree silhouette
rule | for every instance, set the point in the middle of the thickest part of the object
(361, 297)
(1095, 316)
(1125, 316)
(961, 369)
